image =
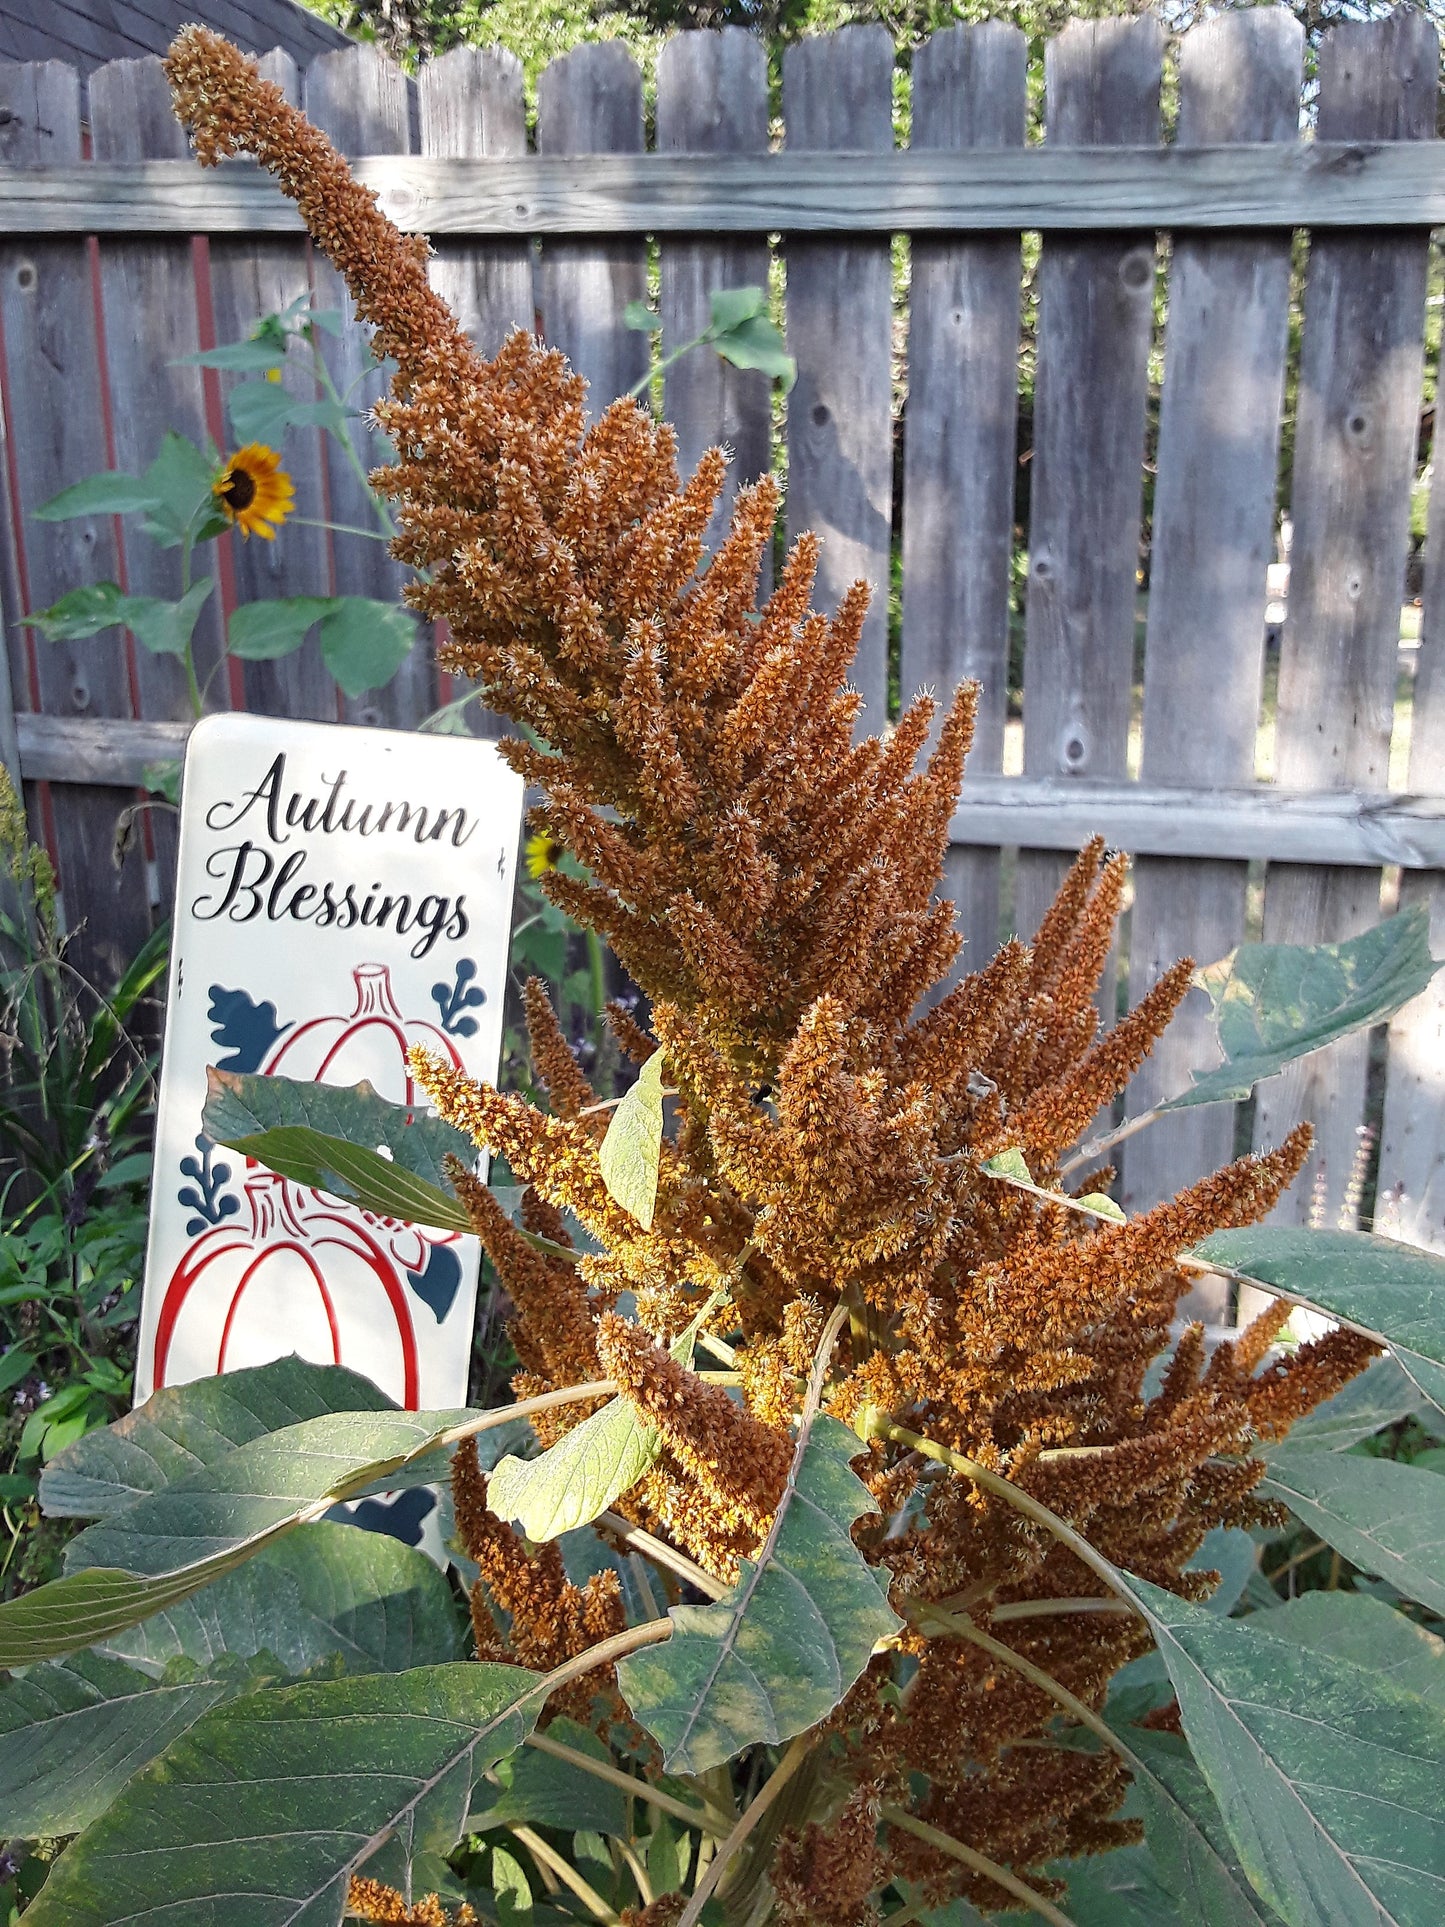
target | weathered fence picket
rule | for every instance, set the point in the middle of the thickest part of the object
(900, 444)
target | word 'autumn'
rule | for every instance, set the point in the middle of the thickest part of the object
(254, 882)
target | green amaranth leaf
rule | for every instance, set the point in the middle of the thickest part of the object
(1381, 1395)
(1104, 1206)
(331, 1138)
(260, 1815)
(1187, 1838)
(596, 1462)
(73, 1732)
(164, 1547)
(631, 1152)
(1274, 1002)
(777, 1653)
(1328, 1779)
(537, 1789)
(183, 1428)
(1385, 1517)
(1391, 1289)
(1009, 1164)
(1369, 1632)
(323, 1589)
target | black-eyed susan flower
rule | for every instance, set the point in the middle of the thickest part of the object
(254, 491)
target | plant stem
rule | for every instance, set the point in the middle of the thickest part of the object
(709, 1819)
(980, 1863)
(873, 1424)
(548, 1856)
(766, 1795)
(597, 976)
(640, 387)
(1106, 1140)
(544, 1402)
(663, 1554)
(193, 687)
(637, 1870)
(1049, 1608)
(343, 435)
(338, 528)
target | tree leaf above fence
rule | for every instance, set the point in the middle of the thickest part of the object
(1274, 1002)
(364, 642)
(776, 1654)
(1395, 1290)
(1327, 1777)
(183, 1428)
(323, 1589)
(278, 1797)
(1387, 1518)
(332, 1138)
(630, 1155)
(171, 1543)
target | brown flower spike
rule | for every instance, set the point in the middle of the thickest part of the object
(768, 878)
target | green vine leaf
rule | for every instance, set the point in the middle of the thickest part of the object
(777, 1653)
(1274, 1002)
(279, 1797)
(631, 1152)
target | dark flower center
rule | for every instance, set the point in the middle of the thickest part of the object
(239, 491)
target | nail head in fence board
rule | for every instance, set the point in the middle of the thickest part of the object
(589, 101)
(1096, 320)
(838, 93)
(148, 300)
(472, 107)
(359, 98)
(1358, 419)
(1410, 1197)
(250, 278)
(1214, 502)
(1313, 184)
(712, 98)
(56, 423)
(961, 433)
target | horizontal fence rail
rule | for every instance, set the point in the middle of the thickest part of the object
(1315, 184)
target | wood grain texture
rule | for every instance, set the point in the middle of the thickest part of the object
(359, 98)
(148, 304)
(589, 101)
(1359, 398)
(838, 92)
(55, 418)
(961, 432)
(1325, 184)
(1096, 317)
(712, 98)
(250, 278)
(1214, 507)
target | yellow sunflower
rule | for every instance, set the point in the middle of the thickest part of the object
(254, 491)
(543, 853)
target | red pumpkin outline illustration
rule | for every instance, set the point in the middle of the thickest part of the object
(300, 1230)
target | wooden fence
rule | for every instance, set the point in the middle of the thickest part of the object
(117, 255)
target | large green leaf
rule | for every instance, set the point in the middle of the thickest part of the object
(168, 1545)
(1394, 1290)
(111, 493)
(364, 642)
(1370, 1633)
(1387, 1518)
(630, 1153)
(1274, 1002)
(1187, 1837)
(274, 627)
(323, 1589)
(332, 1138)
(596, 1462)
(1329, 1779)
(183, 1428)
(777, 1653)
(1120, 1889)
(261, 1813)
(73, 1732)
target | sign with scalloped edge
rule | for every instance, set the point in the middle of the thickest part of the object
(342, 894)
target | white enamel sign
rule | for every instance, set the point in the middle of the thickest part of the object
(342, 894)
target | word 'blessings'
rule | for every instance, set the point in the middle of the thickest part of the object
(258, 877)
